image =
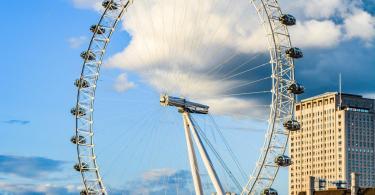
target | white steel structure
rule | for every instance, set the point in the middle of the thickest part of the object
(284, 90)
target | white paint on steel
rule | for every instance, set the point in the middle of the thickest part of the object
(281, 108)
(205, 158)
(192, 157)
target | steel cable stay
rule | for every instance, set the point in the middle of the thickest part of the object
(149, 155)
(196, 45)
(232, 154)
(245, 71)
(235, 53)
(228, 8)
(217, 155)
(239, 94)
(247, 83)
(137, 139)
(243, 64)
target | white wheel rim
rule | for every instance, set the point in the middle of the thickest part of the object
(282, 107)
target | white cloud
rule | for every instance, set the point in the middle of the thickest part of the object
(323, 8)
(360, 25)
(237, 107)
(176, 55)
(156, 174)
(50, 189)
(122, 83)
(158, 182)
(369, 95)
(177, 45)
(87, 4)
(76, 42)
(316, 34)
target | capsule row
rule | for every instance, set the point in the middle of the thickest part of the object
(297, 89)
(98, 29)
(290, 20)
(293, 125)
(282, 161)
(82, 83)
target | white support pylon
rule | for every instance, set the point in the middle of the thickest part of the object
(192, 157)
(206, 159)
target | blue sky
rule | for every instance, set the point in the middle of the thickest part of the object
(40, 61)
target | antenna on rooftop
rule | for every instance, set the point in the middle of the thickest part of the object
(340, 90)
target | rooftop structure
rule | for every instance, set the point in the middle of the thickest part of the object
(336, 138)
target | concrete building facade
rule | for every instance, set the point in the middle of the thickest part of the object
(337, 138)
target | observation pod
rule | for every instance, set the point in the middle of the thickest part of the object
(97, 29)
(296, 89)
(269, 191)
(294, 52)
(283, 161)
(292, 125)
(288, 20)
(78, 140)
(78, 112)
(89, 191)
(81, 83)
(88, 55)
(81, 167)
(110, 5)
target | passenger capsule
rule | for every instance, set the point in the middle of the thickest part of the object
(296, 89)
(89, 191)
(292, 125)
(110, 5)
(269, 191)
(81, 83)
(81, 167)
(97, 29)
(283, 161)
(78, 139)
(88, 55)
(78, 112)
(288, 20)
(83, 192)
(294, 53)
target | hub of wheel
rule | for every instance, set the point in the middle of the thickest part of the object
(183, 105)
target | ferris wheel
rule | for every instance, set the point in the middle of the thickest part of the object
(280, 117)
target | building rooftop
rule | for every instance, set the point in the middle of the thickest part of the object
(329, 94)
(320, 96)
(364, 191)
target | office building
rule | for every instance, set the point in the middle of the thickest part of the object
(336, 138)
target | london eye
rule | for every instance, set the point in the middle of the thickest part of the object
(274, 89)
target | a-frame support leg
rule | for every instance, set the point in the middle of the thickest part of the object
(192, 157)
(206, 159)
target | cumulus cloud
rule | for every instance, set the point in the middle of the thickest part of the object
(159, 182)
(360, 25)
(87, 4)
(32, 189)
(319, 70)
(316, 34)
(76, 42)
(327, 23)
(323, 8)
(369, 95)
(122, 83)
(164, 181)
(185, 48)
(28, 167)
(184, 55)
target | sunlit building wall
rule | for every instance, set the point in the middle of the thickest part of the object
(336, 138)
